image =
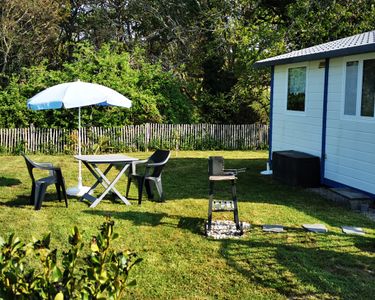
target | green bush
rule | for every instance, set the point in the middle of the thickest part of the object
(33, 271)
(156, 94)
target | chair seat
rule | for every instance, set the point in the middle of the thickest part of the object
(47, 180)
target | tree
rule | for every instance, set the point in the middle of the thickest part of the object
(311, 22)
(28, 32)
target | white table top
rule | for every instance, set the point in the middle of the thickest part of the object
(105, 158)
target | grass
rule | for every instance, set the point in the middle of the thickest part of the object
(180, 262)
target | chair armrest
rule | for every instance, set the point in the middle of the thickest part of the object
(152, 164)
(135, 163)
(155, 164)
(47, 166)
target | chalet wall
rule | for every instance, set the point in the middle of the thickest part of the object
(350, 141)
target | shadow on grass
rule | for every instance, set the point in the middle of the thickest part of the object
(5, 181)
(24, 201)
(366, 245)
(18, 201)
(195, 225)
(137, 218)
(300, 271)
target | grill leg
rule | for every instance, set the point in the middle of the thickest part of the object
(235, 211)
(211, 195)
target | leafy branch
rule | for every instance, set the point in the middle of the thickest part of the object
(33, 271)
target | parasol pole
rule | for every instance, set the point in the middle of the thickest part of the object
(79, 190)
(79, 150)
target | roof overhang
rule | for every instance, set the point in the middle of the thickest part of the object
(357, 44)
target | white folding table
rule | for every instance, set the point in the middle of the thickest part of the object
(92, 161)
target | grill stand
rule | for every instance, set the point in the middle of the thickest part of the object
(223, 206)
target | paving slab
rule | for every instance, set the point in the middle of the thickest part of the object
(317, 228)
(352, 230)
(273, 228)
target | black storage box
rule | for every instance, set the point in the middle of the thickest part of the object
(296, 168)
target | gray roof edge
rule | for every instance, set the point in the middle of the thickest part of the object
(315, 56)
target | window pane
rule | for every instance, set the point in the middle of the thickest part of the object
(296, 89)
(368, 88)
(351, 88)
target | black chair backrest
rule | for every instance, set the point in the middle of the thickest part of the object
(30, 166)
(159, 156)
(215, 165)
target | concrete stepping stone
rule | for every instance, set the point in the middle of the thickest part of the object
(317, 228)
(352, 230)
(273, 228)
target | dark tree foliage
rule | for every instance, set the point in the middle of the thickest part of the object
(29, 32)
(155, 94)
(318, 21)
(208, 47)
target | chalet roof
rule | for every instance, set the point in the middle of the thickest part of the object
(356, 44)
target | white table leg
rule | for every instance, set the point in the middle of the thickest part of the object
(111, 186)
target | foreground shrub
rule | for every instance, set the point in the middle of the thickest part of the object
(33, 271)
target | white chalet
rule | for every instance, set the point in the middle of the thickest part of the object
(323, 103)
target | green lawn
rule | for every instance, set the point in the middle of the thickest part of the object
(180, 262)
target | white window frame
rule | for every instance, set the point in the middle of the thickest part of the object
(357, 116)
(296, 112)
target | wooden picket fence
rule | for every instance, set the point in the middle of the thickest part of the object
(135, 138)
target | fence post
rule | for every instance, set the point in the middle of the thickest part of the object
(31, 137)
(147, 136)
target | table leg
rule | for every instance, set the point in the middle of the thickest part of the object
(98, 176)
(111, 186)
(107, 183)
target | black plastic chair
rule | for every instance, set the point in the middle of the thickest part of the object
(39, 186)
(154, 166)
